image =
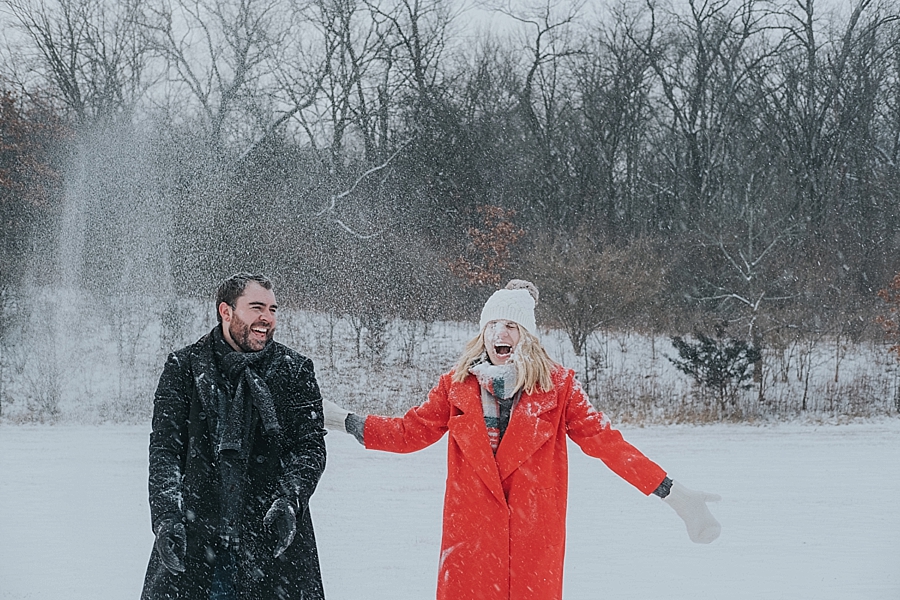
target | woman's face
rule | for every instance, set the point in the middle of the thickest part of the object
(500, 340)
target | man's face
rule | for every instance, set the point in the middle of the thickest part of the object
(500, 340)
(250, 324)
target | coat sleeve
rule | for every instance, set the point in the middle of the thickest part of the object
(168, 438)
(593, 432)
(303, 450)
(420, 427)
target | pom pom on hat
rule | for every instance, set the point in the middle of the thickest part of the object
(521, 284)
(514, 303)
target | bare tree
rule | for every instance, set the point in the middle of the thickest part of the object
(613, 81)
(220, 56)
(544, 100)
(29, 196)
(750, 270)
(808, 96)
(417, 39)
(351, 42)
(702, 62)
(89, 54)
(587, 284)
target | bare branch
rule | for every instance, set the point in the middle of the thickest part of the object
(335, 198)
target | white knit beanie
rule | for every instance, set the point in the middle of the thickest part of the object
(510, 305)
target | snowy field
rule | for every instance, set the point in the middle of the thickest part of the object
(807, 513)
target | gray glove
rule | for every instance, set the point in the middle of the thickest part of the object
(171, 544)
(690, 505)
(282, 519)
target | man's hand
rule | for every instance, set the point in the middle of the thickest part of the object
(690, 505)
(283, 520)
(335, 416)
(171, 544)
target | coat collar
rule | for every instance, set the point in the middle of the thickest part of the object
(468, 431)
(527, 431)
(207, 380)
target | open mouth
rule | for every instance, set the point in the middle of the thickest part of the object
(263, 331)
(503, 350)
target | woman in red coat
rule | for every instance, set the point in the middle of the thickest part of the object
(507, 408)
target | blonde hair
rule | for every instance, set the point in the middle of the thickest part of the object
(534, 367)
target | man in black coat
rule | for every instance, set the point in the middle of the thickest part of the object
(236, 451)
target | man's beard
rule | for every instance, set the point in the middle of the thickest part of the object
(240, 333)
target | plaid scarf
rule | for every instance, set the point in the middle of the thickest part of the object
(498, 396)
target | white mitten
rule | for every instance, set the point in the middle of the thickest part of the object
(690, 505)
(335, 416)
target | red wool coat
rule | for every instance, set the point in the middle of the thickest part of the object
(504, 524)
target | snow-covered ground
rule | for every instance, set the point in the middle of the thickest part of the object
(807, 513)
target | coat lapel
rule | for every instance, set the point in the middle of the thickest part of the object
(529, 428)
(470, 433)
(202, 368)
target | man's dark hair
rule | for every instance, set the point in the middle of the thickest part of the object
(233, 288)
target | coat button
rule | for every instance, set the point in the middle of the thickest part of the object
(260, 459)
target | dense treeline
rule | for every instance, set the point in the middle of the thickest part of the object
(668, 164)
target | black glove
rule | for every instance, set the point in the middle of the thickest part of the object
(171, 544)
(283, 520)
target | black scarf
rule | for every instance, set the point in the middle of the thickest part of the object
(241, 369)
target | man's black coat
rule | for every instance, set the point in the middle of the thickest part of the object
(184, 478)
